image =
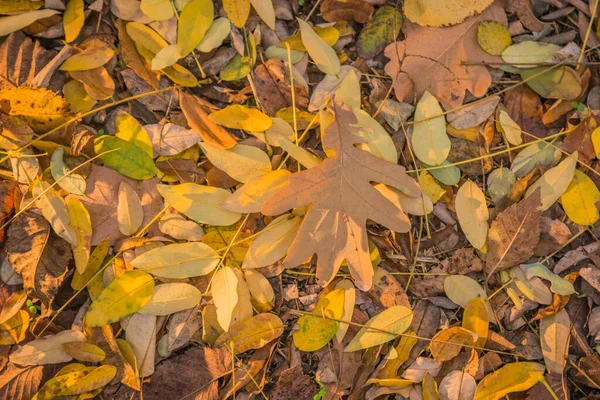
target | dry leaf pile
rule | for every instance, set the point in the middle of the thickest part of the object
(294, 199)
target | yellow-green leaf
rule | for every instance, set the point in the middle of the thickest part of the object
(200, 203)
(251, 196)
(388, 325)
(237, 11)
(378, 141)
(79, 100)
(214, 36)
(242, 163)
(178, 261)
(580, 201)
(124, 296)
(554, 83)
(315, 330)
(322, 54)
(96, 379)
(515, 377)
(125, 157)
(128, 128)
(472, 212)
(253, 334)
(166, 57)
(555, 181)
(225, 295)
(90, 58)
(240, 117)
(79, 220)
(195, 20)
(73, 19)
(170, 298)
(429, 139)
(71, 182)
(266, 12)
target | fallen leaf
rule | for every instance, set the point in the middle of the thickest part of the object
(272, 244)
(476, 319)
(140, 333)
(429, 139)
(514, 377)
(237, 11)
(178, 261)
(170, 139)
(124, 296)
(17, 22)
(511, 130)
(321, 53)
(341, 201)
(194, 21)
(352, 10)
(472, 213)
(273, 87)
(383, 28)
(55, 211)
(253, 334)
(580, 140)
(20, 383)
(321, 325)
(157, 10)
(41, 259)
(79, 219)
(179, 227)
(97, 82)
(252, 195)
(382, 328)
(556, 83)
(46, 350)
(240, 117)
(125, 157)
(225, 295)
(83, 351)
(170, 298)
(554, 337)
(554, 182)
(513, 235)
(71, 182)
(89, 58)
(493, 37)
(446, 344)
(457, 385)
(430, 58)
(580, 200)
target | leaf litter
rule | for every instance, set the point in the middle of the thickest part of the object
(299, 199)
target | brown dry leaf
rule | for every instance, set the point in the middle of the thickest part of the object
(591, 275)
(196, 113)
(524, 11)
(20, 383)
(430, 59)
(133, 59)
(580, 140)
(513, 235)
(97, 82)
(524, 106)
(7, 204)
(249, 374)
(189, 375)
(554, 234)
(588, 371)
(426, 319)
(554, 337)
(572, 257)
(272, 83)
(342, 200)
(101, 201)
(293, 385)
(346, 10)
(38, 256)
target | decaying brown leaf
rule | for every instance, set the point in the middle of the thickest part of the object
(346, 10)
(20, 383)
(39, 256)
(341, 205)
(272, 82)
(513, 235)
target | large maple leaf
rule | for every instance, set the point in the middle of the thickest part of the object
(342, 200)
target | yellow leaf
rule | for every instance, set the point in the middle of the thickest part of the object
(122, 297)
(515, 377)
(421, 205)
(200, 203)
(79, 220)
(253, 334)
(429, 140)
(251, 196)
(321, 53)
(260, 288)
(379, 142)
(393, 383)
(130, 213)
(128, 128)
(299, 154)
(55, 211)
(272, 244)
(237, 11)
(17, 325)
(266, 12)
(555, 181)
(71, 182)
(195, 20)
(315, 330)
(555, 333)
(158, 10)
(430, 187)
(472, 212)
(348, 91)
(470, 134)
(580, 200)
(476, 318)
(441, 12)
(181, 228)
(12, 305)
(219, 239)
(90, 58)
(166, 57)
(382, 328)
(93, 265)
(303, 118)
(140, 333)
(211, 330)
(349, 303)
(596, 141)
(73, 19)
(17, 22)
(430, 388)
(240, 117)
(170, 298)
(446, 344)
(330, 35)
(178, 261)
(225, 296)
(85, 352)
(511, 130)
(96, 379)
(240, 162)
(216, 33)
(493, 37)
(79, 100)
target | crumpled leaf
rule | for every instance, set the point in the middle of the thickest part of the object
(431, 58)
(339, 209)
(40, 258)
